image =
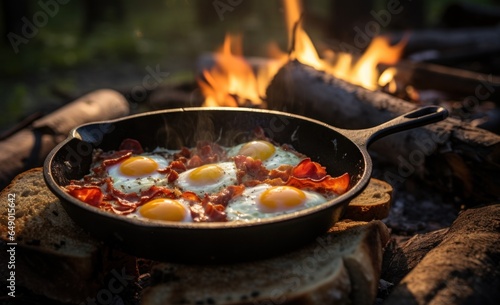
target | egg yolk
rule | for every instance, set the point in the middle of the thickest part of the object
(163, 209)
(206, 174)
(281, 198)
(138, 166)
(262, 150)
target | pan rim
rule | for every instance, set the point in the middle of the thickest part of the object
(151, 224)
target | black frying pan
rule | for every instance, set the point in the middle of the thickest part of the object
(339, 150)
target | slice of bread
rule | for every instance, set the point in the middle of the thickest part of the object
(54, 257)
(340, 267)
(373, 203)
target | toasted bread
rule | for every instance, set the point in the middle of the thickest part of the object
(54, 257)
(340, 267)
(373, 203)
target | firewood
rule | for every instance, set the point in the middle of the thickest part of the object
(450, 155)
(400, 260)
(463, 269)
(28, 147)
(454, 82)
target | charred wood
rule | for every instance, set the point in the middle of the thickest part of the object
(455, 82)
(464, 268)
(451, 155)
(399, 260)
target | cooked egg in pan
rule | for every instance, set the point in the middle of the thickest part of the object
(138, 173)
(271, 156)
(264, 200)
(164, 209)
(208, 178)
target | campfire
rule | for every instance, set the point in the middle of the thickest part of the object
(232, 81)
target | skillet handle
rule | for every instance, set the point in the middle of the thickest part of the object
(416, 118)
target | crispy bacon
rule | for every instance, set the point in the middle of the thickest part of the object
(205, 153)
(171, 174)
(184, 153)
(260, 134)
(190, 196)
(215, 212)
(122, 210)
(337, 185)
(309, 169)
(116, 158)
(135, 199)
(195, 161)
(89, 194)
(131, 145)
(250, 170)
(211, 208)
(283, 172)
(224, 196)
(178, 166)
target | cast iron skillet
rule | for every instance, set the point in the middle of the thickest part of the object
(339, 150)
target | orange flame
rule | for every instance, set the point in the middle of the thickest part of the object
(362, 72)
(232, 81)
(365, 72)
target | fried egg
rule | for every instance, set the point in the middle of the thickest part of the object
(271, 156)
(164, 209)
(138, 173)
(208, 178)
(264, 201)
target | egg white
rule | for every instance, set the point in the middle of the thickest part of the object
(137, 184)
(245, 207)
(228, 177)
(280, 157)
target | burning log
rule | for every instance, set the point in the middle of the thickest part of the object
(458, 82)
(463, 268)
(451, 154)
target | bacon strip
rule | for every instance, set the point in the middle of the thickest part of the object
(89, 194)
(337, 185)
(309, 169)
(309, 174)
(131, 145)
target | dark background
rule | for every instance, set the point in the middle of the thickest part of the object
(81, 46)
